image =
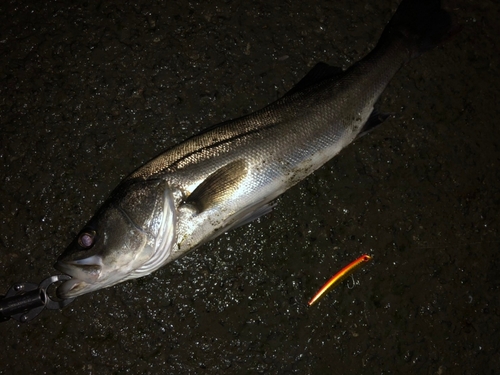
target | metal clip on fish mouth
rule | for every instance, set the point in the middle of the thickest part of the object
(24, 301)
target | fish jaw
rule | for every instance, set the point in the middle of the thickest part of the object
(84, 275)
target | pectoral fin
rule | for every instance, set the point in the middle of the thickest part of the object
(218, 186)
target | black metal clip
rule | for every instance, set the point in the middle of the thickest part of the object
(24, 301)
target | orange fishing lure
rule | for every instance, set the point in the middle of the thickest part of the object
(344, 272)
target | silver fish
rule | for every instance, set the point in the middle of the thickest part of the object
(229, 174)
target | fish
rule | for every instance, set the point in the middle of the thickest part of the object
(229, 174)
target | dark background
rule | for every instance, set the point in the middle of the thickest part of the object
(92, 90)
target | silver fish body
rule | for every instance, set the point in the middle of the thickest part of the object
(229, 174)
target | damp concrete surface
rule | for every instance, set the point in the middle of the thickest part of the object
(92, 90)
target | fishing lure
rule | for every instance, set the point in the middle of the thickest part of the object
(339, 276)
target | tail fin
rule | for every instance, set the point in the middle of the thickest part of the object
(423, 24)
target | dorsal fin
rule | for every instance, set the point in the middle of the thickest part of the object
(318, 73)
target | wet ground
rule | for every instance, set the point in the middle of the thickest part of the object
(91, 91)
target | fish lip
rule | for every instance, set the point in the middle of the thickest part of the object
(85, 269)
(63, 267)
(64, 290)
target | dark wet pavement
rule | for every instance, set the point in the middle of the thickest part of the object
(90, 91)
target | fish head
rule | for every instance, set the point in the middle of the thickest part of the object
(130, 236)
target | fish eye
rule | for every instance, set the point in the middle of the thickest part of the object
(86, 239)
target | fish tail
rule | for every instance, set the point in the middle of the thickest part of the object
(421, 24)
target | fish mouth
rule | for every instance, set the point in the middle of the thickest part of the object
(84, 275)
